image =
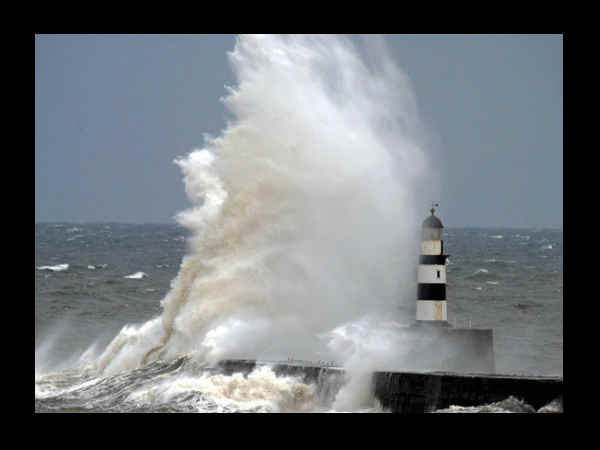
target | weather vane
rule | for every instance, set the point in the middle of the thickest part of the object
(433, 205)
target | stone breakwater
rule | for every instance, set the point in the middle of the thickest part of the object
(412, 392)
(415, 392)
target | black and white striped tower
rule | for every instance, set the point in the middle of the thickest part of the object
(431, 293)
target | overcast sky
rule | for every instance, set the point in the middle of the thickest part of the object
(112, 112)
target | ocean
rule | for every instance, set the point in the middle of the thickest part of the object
(92, 281)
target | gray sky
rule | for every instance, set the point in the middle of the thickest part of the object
(112, 112)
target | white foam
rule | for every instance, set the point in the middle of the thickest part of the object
(555, 406)
(136, 276)
(368, 344)
(497, 236)
(57, 268)
(260, 391)
(45, 386)
(472, 409)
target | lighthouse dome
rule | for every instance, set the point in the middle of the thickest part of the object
(432, 221)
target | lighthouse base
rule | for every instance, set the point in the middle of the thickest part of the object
(461, 350)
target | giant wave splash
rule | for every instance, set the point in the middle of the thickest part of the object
(303, 219)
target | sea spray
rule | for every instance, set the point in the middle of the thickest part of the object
(368, 344)
(305, 210)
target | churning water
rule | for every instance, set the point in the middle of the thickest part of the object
(301, 242)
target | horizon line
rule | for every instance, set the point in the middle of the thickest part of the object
(84, 222)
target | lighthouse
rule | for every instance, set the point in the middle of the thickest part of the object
(435, 345)
(431, 292)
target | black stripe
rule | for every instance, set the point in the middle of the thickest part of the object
(439, 260)
(438, 323)
(431, 291)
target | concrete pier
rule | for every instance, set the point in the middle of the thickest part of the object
(415, 392)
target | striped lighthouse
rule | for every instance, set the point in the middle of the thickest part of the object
(431, 292)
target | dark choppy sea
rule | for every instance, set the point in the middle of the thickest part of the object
(93, 279)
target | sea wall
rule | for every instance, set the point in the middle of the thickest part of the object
(412, 392)
(416, 392)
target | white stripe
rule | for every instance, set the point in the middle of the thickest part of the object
(431, 247)
(431, 310)
(431, 273)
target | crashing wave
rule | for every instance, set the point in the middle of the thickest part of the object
(57, 268)
(137, 275)
(508, 405)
